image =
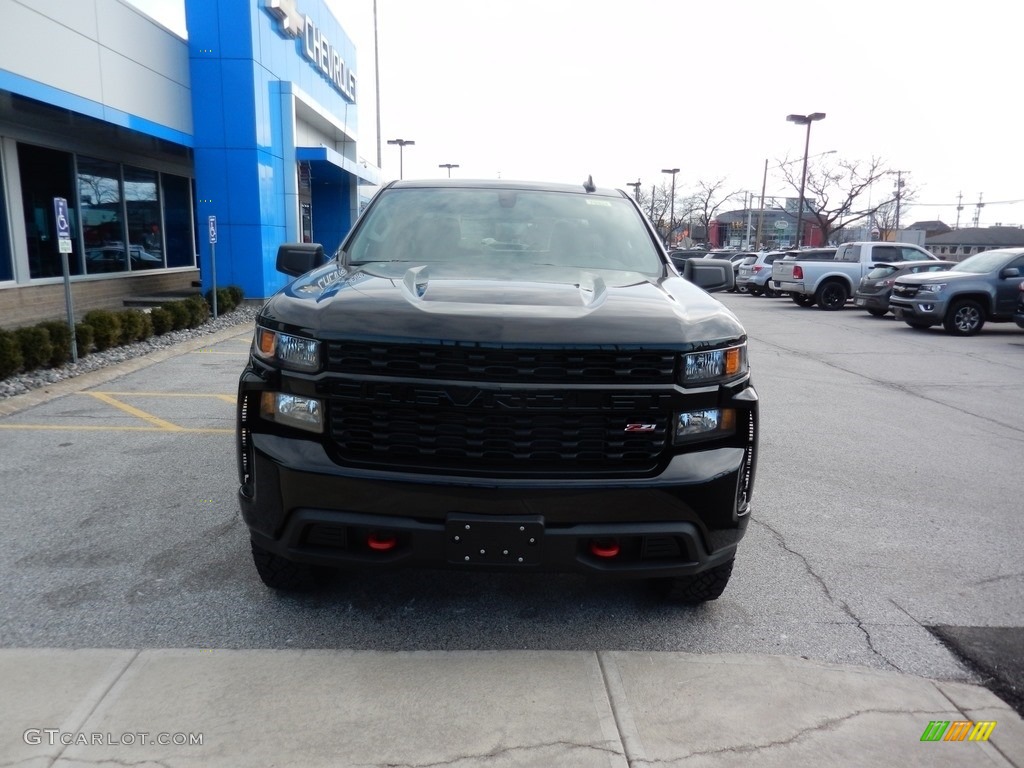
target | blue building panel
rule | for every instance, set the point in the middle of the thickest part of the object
(246, 73)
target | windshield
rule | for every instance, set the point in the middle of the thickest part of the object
(981, 263)
(511, 227)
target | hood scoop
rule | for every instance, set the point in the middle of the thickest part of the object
(579, 290)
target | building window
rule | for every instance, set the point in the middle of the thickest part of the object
(142, 207)
(46, 174)
(99, 194)
(6, 264)
(180, 236)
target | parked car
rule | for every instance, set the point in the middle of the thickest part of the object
(981, 288)
(498, 376)
(829, 284)
(1018, 316)
(807, 254)
(110, 258)
(875, 287)
(736, 257)
(755, 272)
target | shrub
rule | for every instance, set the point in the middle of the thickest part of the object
(161, 319)
(36, 348)
(10, 354)
(179, 314)
(83, 339)
(60, 339)
(131, 325)
(236, 294)
(198, 311)
(106, 328)
(225, 300)
(147, 326)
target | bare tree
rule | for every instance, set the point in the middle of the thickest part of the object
(708, 199)
(659, 208)
(833, 191)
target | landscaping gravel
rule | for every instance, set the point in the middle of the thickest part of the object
(21, 383)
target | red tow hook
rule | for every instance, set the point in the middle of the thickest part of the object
(606, 548)
(381, 542)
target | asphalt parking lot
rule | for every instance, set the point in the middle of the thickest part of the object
(886, 504)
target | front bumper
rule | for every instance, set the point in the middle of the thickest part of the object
(918, 310)
(302, 506)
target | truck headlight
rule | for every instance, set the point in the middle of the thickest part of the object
(286, 350)
(293, 411)
(715, 366)
(933, 288)
(708, 424)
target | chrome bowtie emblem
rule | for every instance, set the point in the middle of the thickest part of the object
(285, 12)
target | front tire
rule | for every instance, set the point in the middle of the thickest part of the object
(770, 293)
(832, 296)
(918, 326)
(284, 575)
(878, 312)
(697, 589)
(802, 300)
(965, 318)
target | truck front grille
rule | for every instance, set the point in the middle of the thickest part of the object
(491, 364)
(476, 436)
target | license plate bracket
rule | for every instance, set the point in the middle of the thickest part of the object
(485, 540)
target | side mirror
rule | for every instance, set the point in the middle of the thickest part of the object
(710, 274)
(299, 258)
(1011, 272)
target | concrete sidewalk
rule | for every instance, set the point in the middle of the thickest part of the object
(463, 709)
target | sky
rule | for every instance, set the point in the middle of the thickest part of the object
(558, 90)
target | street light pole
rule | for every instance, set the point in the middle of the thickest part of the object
(803, 120)
(636, 189)
(402, 144)
(449, 166)
(899, 196)
(672, 215)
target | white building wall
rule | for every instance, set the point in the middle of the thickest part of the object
(104, 51)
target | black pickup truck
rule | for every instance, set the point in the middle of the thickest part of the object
(498, 375)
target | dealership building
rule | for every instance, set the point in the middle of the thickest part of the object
(155, 163)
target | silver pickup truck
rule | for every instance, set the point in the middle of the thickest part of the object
(829, 284)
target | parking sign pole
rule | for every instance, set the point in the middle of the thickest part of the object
(213, 262)
(60, 217)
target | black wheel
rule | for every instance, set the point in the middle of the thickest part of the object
(964, 318)
(878, 312)
(918, 326)
(278, 573)
(697, 589)
(832, 296)
(755, 291)
(802, 299)
(770, 293)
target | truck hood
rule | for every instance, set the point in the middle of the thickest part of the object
(539, 305)
(938, 277)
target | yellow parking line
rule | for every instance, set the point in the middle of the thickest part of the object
(160, 394)
(133, 411)
(90, 428)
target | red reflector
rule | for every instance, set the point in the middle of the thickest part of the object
(604, 547)
(381, 542)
